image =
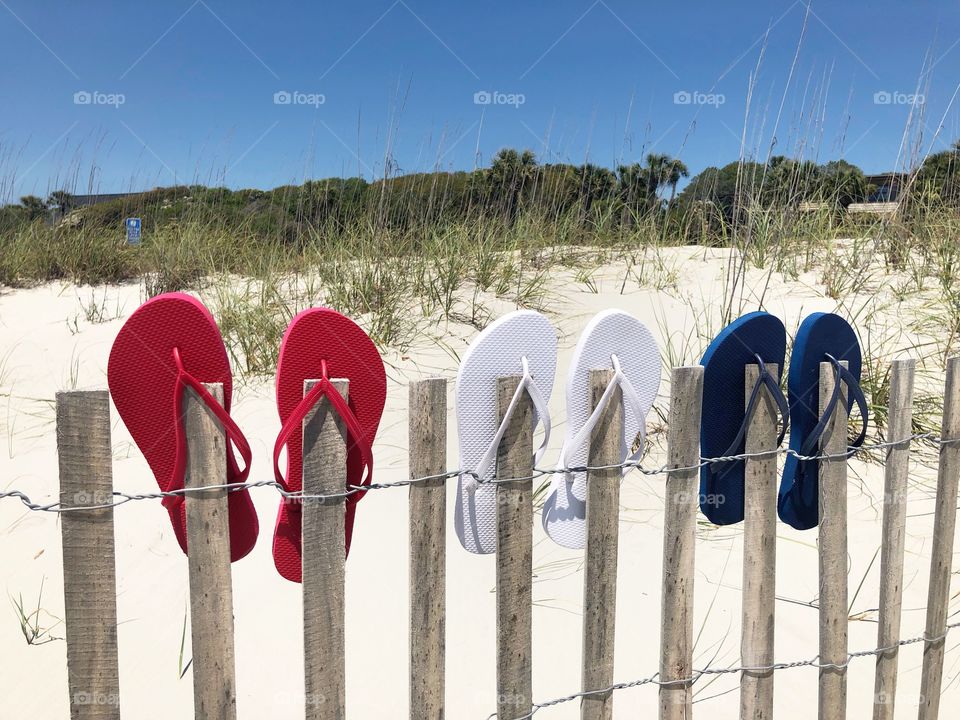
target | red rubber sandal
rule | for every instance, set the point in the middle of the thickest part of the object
(322, 344)
(170, 343)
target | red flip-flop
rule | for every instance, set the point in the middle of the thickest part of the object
(172, 342)
(321, 344)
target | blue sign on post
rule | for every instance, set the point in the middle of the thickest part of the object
(133, 231)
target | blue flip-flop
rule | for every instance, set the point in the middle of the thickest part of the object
(822, 337)
(757, 338)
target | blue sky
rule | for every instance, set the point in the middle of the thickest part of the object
(115, 96)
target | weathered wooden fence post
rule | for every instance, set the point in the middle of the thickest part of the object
(899, 424)
(600, 562)
(759, 553)
(679, 539)
(832, 542)
(208, 559)
(323, 557)
(89, 563)
(428, 548)
(514, 555)
(941, 555)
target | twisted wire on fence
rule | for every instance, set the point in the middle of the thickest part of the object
(122, 498)
(697, 674)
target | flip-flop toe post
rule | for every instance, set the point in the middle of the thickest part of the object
(321, 344)
(520, 343)
(757, 338)
(168, 344)
(617, 341)
(821, 337)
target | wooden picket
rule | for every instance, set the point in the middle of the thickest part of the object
(323, 556)
(832, 546)
(941, 558)
(679, 540)
(759, 552)
(899, 425)
(208, 542)
(83, 435)
(515, 555)
(89, 564)
(600, 557)
(428, 547)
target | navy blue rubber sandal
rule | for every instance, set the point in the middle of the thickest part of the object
(822, 337)
(757, 338)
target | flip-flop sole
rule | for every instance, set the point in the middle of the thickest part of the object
(612, 332)
(818, 335)
(495, 352)
(142, 376)
(724, 407)
(314, 336)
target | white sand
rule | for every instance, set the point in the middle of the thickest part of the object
(41, 351)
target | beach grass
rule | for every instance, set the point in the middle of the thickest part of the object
(397, 278)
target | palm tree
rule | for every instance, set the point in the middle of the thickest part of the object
(657, 171)
(510, 172)
(596, 183)
(632, 181)
(665, 170)
(676, 171)
(509, 163)
(633, 184)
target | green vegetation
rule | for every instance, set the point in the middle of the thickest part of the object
(598, 199)
(32, 621)
(401, 250)
(193, 231)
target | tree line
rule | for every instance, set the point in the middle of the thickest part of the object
(514, 184)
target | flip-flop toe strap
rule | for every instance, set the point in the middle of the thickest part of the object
(471, 480)
(234, 434)
(294, 421)
(630, 399)
(764, 379)
(842, 376)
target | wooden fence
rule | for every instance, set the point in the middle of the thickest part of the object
(83, 434)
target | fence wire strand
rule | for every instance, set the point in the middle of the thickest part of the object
(697, 674)
(122, 498)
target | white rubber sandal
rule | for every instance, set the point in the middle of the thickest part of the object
(520, 343)
(616, 340)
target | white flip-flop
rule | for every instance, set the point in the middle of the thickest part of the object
(520, 343)
(616, 340)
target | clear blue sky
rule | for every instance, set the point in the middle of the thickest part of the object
(607, 81)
